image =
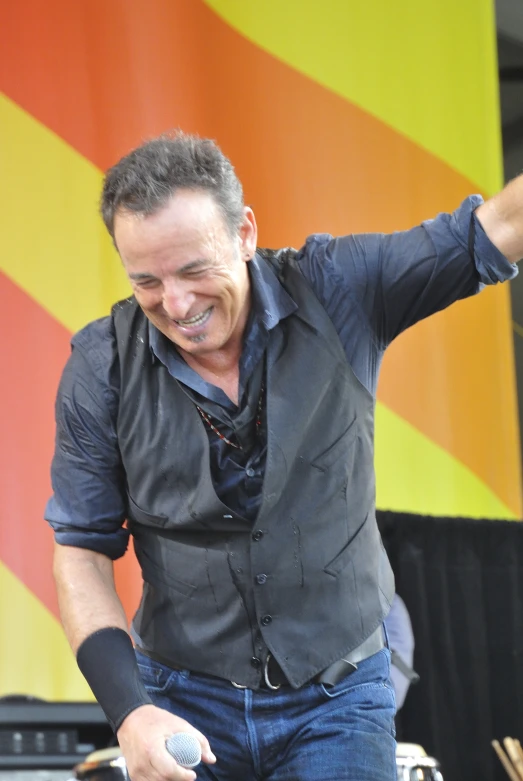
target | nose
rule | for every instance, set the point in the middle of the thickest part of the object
(177, 300)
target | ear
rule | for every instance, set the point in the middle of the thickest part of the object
(248, 234)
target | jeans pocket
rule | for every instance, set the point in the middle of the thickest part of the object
(372, 671)
(371, 702)
(156, 677)
(343, 687)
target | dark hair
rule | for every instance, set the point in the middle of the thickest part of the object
(145, 179)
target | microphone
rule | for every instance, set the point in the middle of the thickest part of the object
(185, 749)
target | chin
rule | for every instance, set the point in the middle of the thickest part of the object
(200, 344)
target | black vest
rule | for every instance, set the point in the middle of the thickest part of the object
(328, 583)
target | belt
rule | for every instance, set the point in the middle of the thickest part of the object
(274, 677)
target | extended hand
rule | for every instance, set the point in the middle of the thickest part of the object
(142, 737)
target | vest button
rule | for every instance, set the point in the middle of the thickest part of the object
(255, 662)
(266, 620)
(257, 535)
(250, 472)
(261, 579)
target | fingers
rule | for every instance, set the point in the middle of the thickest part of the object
(156, 764)
(207, 756)
(165, 768)
(142, 738)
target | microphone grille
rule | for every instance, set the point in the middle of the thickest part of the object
(185, 749)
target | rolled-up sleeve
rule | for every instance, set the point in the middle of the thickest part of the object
(397, 279)
(87, 509)
(490, 265)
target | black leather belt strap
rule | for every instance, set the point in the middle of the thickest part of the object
(275, 677)
(410, 674)
(339, 670)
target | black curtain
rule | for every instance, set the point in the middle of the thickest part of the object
(462, 582)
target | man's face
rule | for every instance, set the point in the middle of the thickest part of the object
(189, 275)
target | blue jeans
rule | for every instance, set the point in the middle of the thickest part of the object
(320, 733)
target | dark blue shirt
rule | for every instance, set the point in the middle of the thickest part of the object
(373, 286)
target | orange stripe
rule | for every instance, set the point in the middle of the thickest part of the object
(461, 394)
(131, 67)
(178, 64)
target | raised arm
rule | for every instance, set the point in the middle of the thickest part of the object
(502, 219)
(395, 280)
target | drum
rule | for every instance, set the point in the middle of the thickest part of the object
(413, 764)
(107, 764)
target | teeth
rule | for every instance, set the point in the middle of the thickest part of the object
(195, 320)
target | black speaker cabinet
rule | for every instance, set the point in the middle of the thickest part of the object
(48, 736)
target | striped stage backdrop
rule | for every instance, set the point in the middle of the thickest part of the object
(340, 116)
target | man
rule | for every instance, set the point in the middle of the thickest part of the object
(401, 643)
(226, 411)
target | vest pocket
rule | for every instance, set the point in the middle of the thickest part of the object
(346, 555)
(136, 513)
(154, 574)
(328, 457)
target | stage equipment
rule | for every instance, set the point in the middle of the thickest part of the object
(42, 736)
(413, 764)
(105, 765)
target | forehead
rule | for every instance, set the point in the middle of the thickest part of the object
(189, 217)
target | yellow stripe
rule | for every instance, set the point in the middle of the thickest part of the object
(427, 69)
(415, 475)
(36, 658)
(54, 244)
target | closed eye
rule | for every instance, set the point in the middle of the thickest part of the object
(149, 282)
(197, 272)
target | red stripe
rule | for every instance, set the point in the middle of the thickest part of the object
(35, 348)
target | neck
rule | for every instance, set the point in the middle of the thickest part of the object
(221, 369)
(220, 363)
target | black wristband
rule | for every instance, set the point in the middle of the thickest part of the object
(108, 663)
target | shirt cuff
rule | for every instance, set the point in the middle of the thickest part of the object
(491, 265)
(112, 545)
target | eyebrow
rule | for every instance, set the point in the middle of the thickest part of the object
(140, 276)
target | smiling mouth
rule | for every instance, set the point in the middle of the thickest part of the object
(197, 320)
